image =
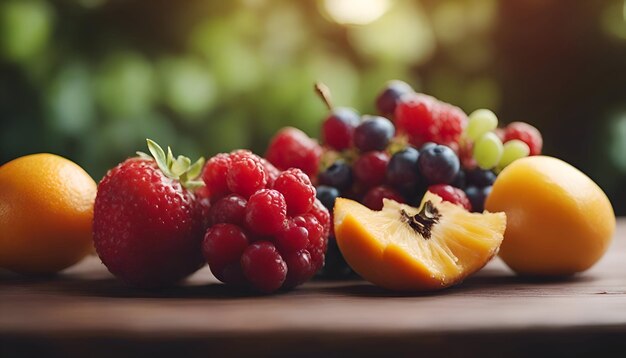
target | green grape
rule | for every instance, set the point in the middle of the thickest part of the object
(513, 150)
(480, 122)
(488, 150)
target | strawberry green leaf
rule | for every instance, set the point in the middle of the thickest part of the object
(195, 169)
(159, 156)
(180, 166)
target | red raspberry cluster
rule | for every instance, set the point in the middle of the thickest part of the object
(424, 118)
(267, 228)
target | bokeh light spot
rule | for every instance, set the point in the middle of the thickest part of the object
(403, 35)
(613, 19)
(355, 12)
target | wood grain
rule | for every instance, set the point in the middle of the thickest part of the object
(85, 311)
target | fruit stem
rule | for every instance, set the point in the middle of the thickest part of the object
(423, 221)
(324, 93)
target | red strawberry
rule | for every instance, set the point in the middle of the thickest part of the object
(148, 223)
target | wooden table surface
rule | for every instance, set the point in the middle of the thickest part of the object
(86, 312)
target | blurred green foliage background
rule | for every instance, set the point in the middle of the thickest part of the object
(91, 79)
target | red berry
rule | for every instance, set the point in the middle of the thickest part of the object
(292, 148)
(299, 267)
(203, 199)
(272, 172)
(451, 121)
(373, 199)
(147, 227)
(214, 175)
(318, 244)
(370, 169)
(526, 133)
(263, 266)
(246, 175)
(452, 195)
(222, 247)
(425, 119)
(229, 209)
(323, 217)
(338, 128)
(293, 238)
(415, 117)
(266, 212)
(297, 189)
(314, 228)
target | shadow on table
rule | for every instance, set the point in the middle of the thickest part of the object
(488, 282)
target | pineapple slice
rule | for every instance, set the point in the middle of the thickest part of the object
(416, 249)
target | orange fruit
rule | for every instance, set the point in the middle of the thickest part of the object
(559, 221)
(46, 210)
(416, 249)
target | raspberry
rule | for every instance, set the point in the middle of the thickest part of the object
(451, 194)
(451, 122)
(263, 266)
(271, 171)
(317, 243)
(373, 199)
(300, 267)
(338, 128)
(214, 175)
(292, 148)
(425, 119)
(293, 238)
(266, 212)
(415, 117)
(322, 215)
(297, 189)
(222, 247)
(370, 169)
(246, 175)
(526, 133)
(314, 228)
(230, 209)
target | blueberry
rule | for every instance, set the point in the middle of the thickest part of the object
(427, 145)
(438, 164)
(327, 195)
(374, 133)
(402, 170)
(477, 197)
(338, 175)
(460, 180)
(388, 99)
(335, 266)
(480, 178)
